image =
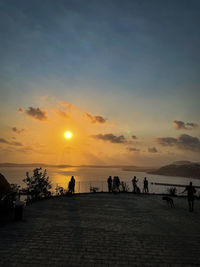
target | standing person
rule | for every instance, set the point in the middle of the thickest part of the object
(134, 182)
(145, 188)
(114, 186)
(117, 183)
(70, 187)
(190, 196)
(72, 184)
(109, 181)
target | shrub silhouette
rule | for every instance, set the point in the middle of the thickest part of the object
(172, 191)
(124, 187)
(60, 191)
(38, 185)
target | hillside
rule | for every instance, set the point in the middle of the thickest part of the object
(190, 169)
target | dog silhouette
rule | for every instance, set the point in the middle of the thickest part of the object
(169, 201)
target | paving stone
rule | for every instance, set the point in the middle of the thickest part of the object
(103, 230)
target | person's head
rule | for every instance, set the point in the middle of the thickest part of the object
(190, 183)
(145, 178)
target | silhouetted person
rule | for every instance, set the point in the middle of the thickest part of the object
(109, 181)
(190, 195)
(114, 184)
(70, 187)
(145, 188)
(117, 183)
(72, 184)
(134, 182)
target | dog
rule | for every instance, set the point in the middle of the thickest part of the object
(169, 201)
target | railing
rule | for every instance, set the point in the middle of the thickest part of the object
(102, 186)
(154, 187)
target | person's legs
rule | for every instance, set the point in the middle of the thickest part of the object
(192, 205)
(109, 188)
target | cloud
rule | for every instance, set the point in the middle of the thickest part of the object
(67, 105)
(180, 125)
(18, 131)
(62, 114)
(2, 140)
(36, 113)
(111, 138)
(133, 149)
(95, 119)
(16, 143)
(152, 150)
(13, 143)
(134, 137)
(184, 142)
(167, 141)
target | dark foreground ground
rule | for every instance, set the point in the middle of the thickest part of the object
(103, 230)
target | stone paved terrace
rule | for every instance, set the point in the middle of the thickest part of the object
(103, 230)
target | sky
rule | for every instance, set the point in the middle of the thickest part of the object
(121, 76)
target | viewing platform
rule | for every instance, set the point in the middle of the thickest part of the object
(102, 229)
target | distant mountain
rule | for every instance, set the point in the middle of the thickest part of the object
(184, 169)
(65, 166)
(5, 164)
(182, 162)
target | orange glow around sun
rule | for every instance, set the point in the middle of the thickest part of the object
(68, 135)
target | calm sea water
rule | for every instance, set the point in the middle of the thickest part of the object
(96, 177)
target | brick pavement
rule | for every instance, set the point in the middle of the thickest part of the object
(103, 230)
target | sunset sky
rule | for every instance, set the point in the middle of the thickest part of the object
(121, 76)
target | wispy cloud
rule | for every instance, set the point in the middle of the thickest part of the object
(95, 119)
(66, 105)
(13, 143)
(111, 138)
(180, 125)
(18, 131)
(152, 150)
(184, 142)
(133, 149)
(62, 114)
(134, 137)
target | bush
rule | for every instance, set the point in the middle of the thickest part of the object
(124, 187)
(172, 191)
(38, 185)
(60, 191)
(93, 189)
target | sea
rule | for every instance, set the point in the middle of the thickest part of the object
(87, 177)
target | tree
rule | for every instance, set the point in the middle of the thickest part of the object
(38, 185)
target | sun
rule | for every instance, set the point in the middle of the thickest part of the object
(68, 135)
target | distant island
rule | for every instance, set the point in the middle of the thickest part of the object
(124, 167)
(179, 168)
